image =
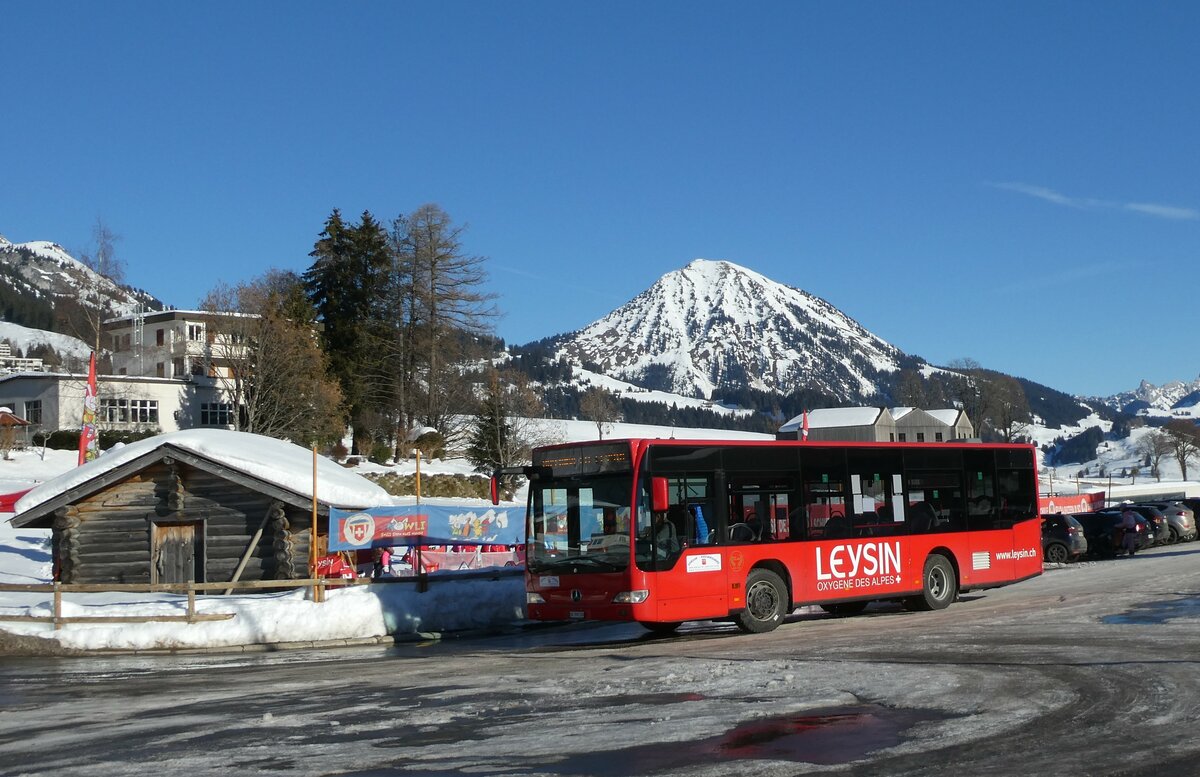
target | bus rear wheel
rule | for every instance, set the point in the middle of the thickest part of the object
(766, 602)
(939, 587)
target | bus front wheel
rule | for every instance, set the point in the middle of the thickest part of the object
(940, 586)
(766, 602)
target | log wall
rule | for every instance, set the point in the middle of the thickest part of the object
(107, 538)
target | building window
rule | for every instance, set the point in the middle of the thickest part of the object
(126, 411)
(160, 369)
(33, 411)
(937, 436)
(160, 337)
(216, 414)
(920, 436)
(891, 436)
(903, 437)
(177, 368)
(195, 332)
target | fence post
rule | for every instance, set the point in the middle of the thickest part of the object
(57, 605)
(191, 610)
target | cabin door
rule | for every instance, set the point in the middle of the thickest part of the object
(176, 556)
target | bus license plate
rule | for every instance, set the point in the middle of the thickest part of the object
(575, 615)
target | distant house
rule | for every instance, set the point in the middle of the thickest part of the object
(879, 424)
(10, 363)
(167, 375)
(858, 424)
(200, 505)
(916, 425)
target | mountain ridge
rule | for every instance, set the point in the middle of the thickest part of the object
(714, 324)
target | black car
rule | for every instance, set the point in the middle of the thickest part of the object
(1103, 533)
(1063, 538)
(1154, 516)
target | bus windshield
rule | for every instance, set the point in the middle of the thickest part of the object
(579, 524)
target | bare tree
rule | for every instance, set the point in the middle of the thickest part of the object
(1155, 446)
(910, 389)
(600, 407)
(1185, 442)
(86, 315)
(269, 360)
(447, 305)
(1009, 408)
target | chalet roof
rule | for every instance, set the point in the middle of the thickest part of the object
(948, 416)
(831, 417)
(265, 464)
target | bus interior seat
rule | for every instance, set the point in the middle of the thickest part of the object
(921, 518)
(837, 526)
(741, 532)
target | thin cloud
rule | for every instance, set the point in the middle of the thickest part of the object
(1164, 211)
(1172, 212)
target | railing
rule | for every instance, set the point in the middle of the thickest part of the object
(318, 586)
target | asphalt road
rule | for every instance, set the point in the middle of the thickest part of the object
(1088, 670)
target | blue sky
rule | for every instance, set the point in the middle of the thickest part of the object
(1016, 183)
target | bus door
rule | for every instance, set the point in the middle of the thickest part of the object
(991, 557)
(690, 570)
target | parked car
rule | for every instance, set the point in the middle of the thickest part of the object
(1181, 519)
(1192, 503)
(1063, 539)
(1154, 516)
(1103, 532)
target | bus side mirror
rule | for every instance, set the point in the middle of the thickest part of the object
(659, 497)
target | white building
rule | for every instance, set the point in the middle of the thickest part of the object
(168, 368)
(173, 343)
(879, 424)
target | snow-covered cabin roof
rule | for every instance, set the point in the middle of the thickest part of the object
(900, 412)
(277, 463)
(947, 416)
(831, 417)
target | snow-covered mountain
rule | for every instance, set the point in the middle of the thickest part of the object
(1175, 394)
(25, 338)
(44, 272)
(714, 324)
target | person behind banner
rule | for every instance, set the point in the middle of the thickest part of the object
(383, 563)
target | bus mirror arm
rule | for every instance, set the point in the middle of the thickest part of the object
(530, 473)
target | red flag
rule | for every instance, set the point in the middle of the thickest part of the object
(89, 444)
(804, 427)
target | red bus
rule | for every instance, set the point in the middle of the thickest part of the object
(666, 531)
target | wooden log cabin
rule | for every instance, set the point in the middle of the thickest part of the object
(174, 514)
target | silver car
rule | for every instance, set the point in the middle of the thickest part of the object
(1180, 519)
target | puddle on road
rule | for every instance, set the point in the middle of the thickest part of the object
(1158, 612)
(832, 736)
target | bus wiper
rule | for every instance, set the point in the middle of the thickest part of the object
(568, 560)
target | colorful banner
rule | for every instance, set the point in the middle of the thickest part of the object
(1071, 503)
(89, 443)
(425, 525)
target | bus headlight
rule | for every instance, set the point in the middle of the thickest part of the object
(533, 598)
(631, 597)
